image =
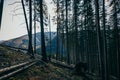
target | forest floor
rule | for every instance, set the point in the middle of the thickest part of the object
(48, 71)
(39, 71)
(9, 57)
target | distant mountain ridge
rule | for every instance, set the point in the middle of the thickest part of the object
(1, 41)
(22, 42)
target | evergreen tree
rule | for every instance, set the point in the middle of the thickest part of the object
(98, 37)
(66, 25)
(105, 73)
(43, 48)
(30, 47)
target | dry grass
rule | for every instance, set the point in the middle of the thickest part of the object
(45, 72)
(39, 71)
(10, 57)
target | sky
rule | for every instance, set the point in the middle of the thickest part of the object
(14, 25)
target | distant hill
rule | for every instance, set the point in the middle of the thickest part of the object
(1, 41)
(22, 42)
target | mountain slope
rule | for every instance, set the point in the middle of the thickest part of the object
(22, 42)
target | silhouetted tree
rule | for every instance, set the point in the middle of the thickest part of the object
(116, 36)
(1, 10)
(105, 72)
(57, 42)
(66, 25)
(25, 15)
(30, 47)
(50, 37)
(43, 48)
(75, 5)
(98, 37)
(34, 28)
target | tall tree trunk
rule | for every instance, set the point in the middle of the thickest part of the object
(30, 48)
(66, 24)
(57, 54)
(116, 37)
(43, 48)
(34, 28)
(76, 32)
(105, 72)
(98, 38)
(1, 10)
(26, 21)
(62, 15)
(50, 37)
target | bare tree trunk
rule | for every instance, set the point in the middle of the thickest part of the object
(98, 37)
(25, 16)
(66, 24)
(43, 48)
(26, 21)
(50, 37)
(30, 48)
(62, 15)
(34, 29)
(105, 72)
(116, 37)
(76, 32)
(57, 54)
(1, 10)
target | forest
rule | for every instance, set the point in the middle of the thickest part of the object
(87, 37)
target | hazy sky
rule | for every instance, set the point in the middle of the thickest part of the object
(14, 26)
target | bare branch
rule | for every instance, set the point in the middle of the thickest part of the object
(17, 9)
(17, 6)
(18, 14)
(14, 3)
(22, 23)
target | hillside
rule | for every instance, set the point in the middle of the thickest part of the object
(46, 71)
(10, 57)
(22, 42)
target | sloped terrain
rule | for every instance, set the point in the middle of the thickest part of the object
(40, 71)
(48, 71)
(10, 57)
(22, 42)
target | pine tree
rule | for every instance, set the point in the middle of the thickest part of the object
(43, 48)
(105, 73)
(66, 25)
(116, 37)
(30, 47)
(34, 28)
(98, 37)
